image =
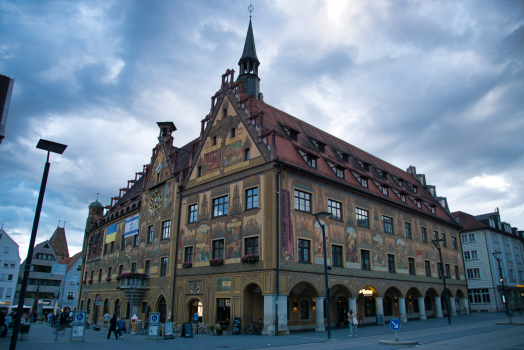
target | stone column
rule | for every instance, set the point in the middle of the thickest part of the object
(438, 307)
(421, 308)
(282, 314)
(464, 305)
(269, 314)
(319, 307)
(402, 309)
(379, 307)
(352, 304)
(453, 306)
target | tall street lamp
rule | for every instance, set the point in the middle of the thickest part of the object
(435, 242)
(328, 291)
(48, 146)
(495, 255)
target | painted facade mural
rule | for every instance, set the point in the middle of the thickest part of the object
(319, 247)
(402, 256)
(379, 257)
(233, 154)
(168, 194)
(202, 245)
(351, 248)
(224, 285)
(288, 252)
(234, 238)
(211, 161)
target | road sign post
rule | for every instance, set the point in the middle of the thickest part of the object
(395, 326)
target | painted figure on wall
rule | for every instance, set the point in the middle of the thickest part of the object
(433, 260)
(155, 251)
(459, 258)
(419, 255)
(319, 247)
(202, 243)
(288, 252)
(402, 255)
(211, 161)
(233, 154)
(379, 259)
(168, 194)
(351, 247)
(233, 238)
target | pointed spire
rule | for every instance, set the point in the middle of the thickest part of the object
(249, 47)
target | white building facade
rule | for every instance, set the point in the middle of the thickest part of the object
(486, 242)
(9, 268)
(72, 281)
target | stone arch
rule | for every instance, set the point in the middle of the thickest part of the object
(344, 288)
(134, 206)
(249, 282)
(117, 308)
(432, 292)
(161, 306)
(394, 289)
(368, 286)
(307, 284)
(191, 309)
(253, 300)
(460, 293)
(413, 291)
(450, 293)
(105, 307)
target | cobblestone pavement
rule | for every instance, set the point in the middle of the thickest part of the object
(433, 330)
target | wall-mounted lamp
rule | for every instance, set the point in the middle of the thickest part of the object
(296, 304)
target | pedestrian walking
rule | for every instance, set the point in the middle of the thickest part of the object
(353, 322)
(195, 317)
(121, 326)
(106, 319)
(112, 327)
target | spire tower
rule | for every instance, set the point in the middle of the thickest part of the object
(249, 64)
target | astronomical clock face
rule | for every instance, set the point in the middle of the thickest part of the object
(155, 202)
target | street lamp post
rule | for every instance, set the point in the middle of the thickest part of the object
(435, 242)
(328, 291)
(48, 146)
(495, 255)
(134, 283)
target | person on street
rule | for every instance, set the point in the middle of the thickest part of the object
(112, 327)
(195, 317)
(106, 319)
(353, 322)
(121, 327)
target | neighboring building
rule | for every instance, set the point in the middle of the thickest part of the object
(226, 226)
(481, 236)
(6, 89)
(42, 284)
(9, 267)
(72, 281)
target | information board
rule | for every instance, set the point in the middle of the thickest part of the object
(380, 320)
(236, 326)
(78, 325)
(153, 330)
(168, 329)
(187, 330)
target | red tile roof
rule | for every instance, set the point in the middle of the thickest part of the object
(467, 221)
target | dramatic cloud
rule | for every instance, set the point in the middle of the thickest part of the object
(437, 85)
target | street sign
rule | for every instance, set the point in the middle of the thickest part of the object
(394, 324)
(78, 325)
(98, 300)
(154, 318)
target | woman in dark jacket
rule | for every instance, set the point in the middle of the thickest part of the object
(112, 327)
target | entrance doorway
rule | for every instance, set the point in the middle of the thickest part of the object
(162, 308)
(342, 311)
(195, 306)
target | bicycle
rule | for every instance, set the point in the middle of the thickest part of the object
(61, 329)
(254, 327)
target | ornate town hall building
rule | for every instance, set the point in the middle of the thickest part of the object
(224, 226)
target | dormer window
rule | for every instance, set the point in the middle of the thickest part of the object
(432, 208)
(342, 155)
(319, 145)
(491, 222)
(224, 113)
(385, 191)
(310, 159)
(400, 182)
(403, 197)
(415, 189)
(214, 142)
(338, 170)
(233, 133)
(292, 133)
(364, 165)
(364, 182)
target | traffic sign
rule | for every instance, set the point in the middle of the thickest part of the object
(394, 324)
(98, 300)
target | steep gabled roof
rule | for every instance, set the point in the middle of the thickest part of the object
(359, 163)
(58, 242)
(249, 46)
(467, 221)
(72, 261)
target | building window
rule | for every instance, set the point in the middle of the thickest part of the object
(444, 242)
(364, 182)
(339, 172)
(109, 271)
(193, 210)
(148, 267)
(473, 274)
(135, 240)
(252, 245)
(427, 265)
(511, 275)
(123, 243)
(517, 258)
(104, 253)
(439, 268)
(369, 307)
(112, 247)
(495, 238)
(403, 197)
(214, 141)
(387, 224)
(233, 133)
(508, 256)
(411, 262)
(150, 234)
(120, 270)
(6, 250)
(435, 235)
(448, 272)
(220, 206)
(100, 275)
(364, 259)
(521, 276)
(223, 310)
(302, 201)
(252, 198)
(454, 243)
(336, 254)
(467, 255)
(472, 237)
(199, 171)
(311, 161)
(188, 254)
(218, 249)
(166, 229)
(247, 154)
(457, 272)
(408, 230)
(303, 250)
(362, 217)
(391, 263)
(385, 191)
(304, 309)
(335, 209)
(133, 267)
(424, 234)
(491, 222)
(163, 266)
(479, 296)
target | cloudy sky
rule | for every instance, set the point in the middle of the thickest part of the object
(434, 84)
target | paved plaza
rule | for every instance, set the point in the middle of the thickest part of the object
(432, 333)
